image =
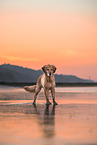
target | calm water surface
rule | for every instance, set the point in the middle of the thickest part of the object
(72, 122)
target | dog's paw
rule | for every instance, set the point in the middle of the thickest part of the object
(34, 103)
(55, 103)
(48, 103)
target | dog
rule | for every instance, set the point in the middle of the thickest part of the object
(45, 81)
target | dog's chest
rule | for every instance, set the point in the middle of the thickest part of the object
(46, 83)
(43, 81)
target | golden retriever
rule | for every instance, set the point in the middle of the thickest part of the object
(45, 81)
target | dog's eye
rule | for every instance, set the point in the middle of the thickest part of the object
(47, 69)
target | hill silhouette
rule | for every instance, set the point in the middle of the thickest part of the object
(13, 73)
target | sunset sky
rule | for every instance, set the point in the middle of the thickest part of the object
(59, 32)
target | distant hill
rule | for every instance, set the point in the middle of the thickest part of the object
(13, 73)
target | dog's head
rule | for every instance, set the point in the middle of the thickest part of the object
(49, 69)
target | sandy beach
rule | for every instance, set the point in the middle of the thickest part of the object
(72, 122)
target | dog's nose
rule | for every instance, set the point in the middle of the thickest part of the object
(50, 73)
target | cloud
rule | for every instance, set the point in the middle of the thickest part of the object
(13, 58)
(69, 52)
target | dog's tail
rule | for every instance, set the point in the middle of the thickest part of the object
(30, 89)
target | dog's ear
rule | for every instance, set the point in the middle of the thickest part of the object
(43, 68)
(54, 68)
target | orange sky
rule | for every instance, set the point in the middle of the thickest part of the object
(35, 38)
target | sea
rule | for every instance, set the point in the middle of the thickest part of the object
(72, 122)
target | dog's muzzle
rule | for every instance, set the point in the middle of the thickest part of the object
(50, 74)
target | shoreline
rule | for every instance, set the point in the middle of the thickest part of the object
(22, 84)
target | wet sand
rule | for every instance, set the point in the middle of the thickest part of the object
(72, 122)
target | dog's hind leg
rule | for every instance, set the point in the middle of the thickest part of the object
(37, 90)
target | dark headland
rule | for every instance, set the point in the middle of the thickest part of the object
(19, 76)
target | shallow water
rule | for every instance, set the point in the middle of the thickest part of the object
(72, 122)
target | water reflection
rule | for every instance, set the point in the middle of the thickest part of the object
(46, 120)
(72, 122)
(27, 123)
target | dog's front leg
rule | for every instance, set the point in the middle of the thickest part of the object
(53, 95)
(46, 91)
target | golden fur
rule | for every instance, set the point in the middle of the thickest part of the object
(45, 81)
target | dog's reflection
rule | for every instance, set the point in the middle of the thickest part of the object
(46, 120)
